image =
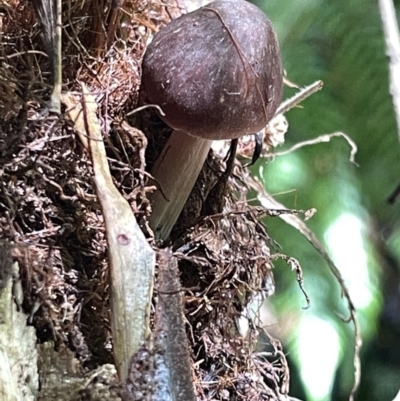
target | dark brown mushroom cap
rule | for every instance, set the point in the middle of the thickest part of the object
(216, 72)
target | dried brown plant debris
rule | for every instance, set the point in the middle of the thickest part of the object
(225, 265)
(48, 206)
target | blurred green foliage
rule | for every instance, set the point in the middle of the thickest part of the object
(340, 42)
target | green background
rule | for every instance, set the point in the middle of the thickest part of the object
(340, 42)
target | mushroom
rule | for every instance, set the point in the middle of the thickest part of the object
(216, 74)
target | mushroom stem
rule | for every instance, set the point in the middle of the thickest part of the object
(176, 171)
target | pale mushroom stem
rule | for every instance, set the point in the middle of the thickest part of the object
(175, 171)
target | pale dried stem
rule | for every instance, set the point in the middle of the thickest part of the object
(55, 103)
(131, 259)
